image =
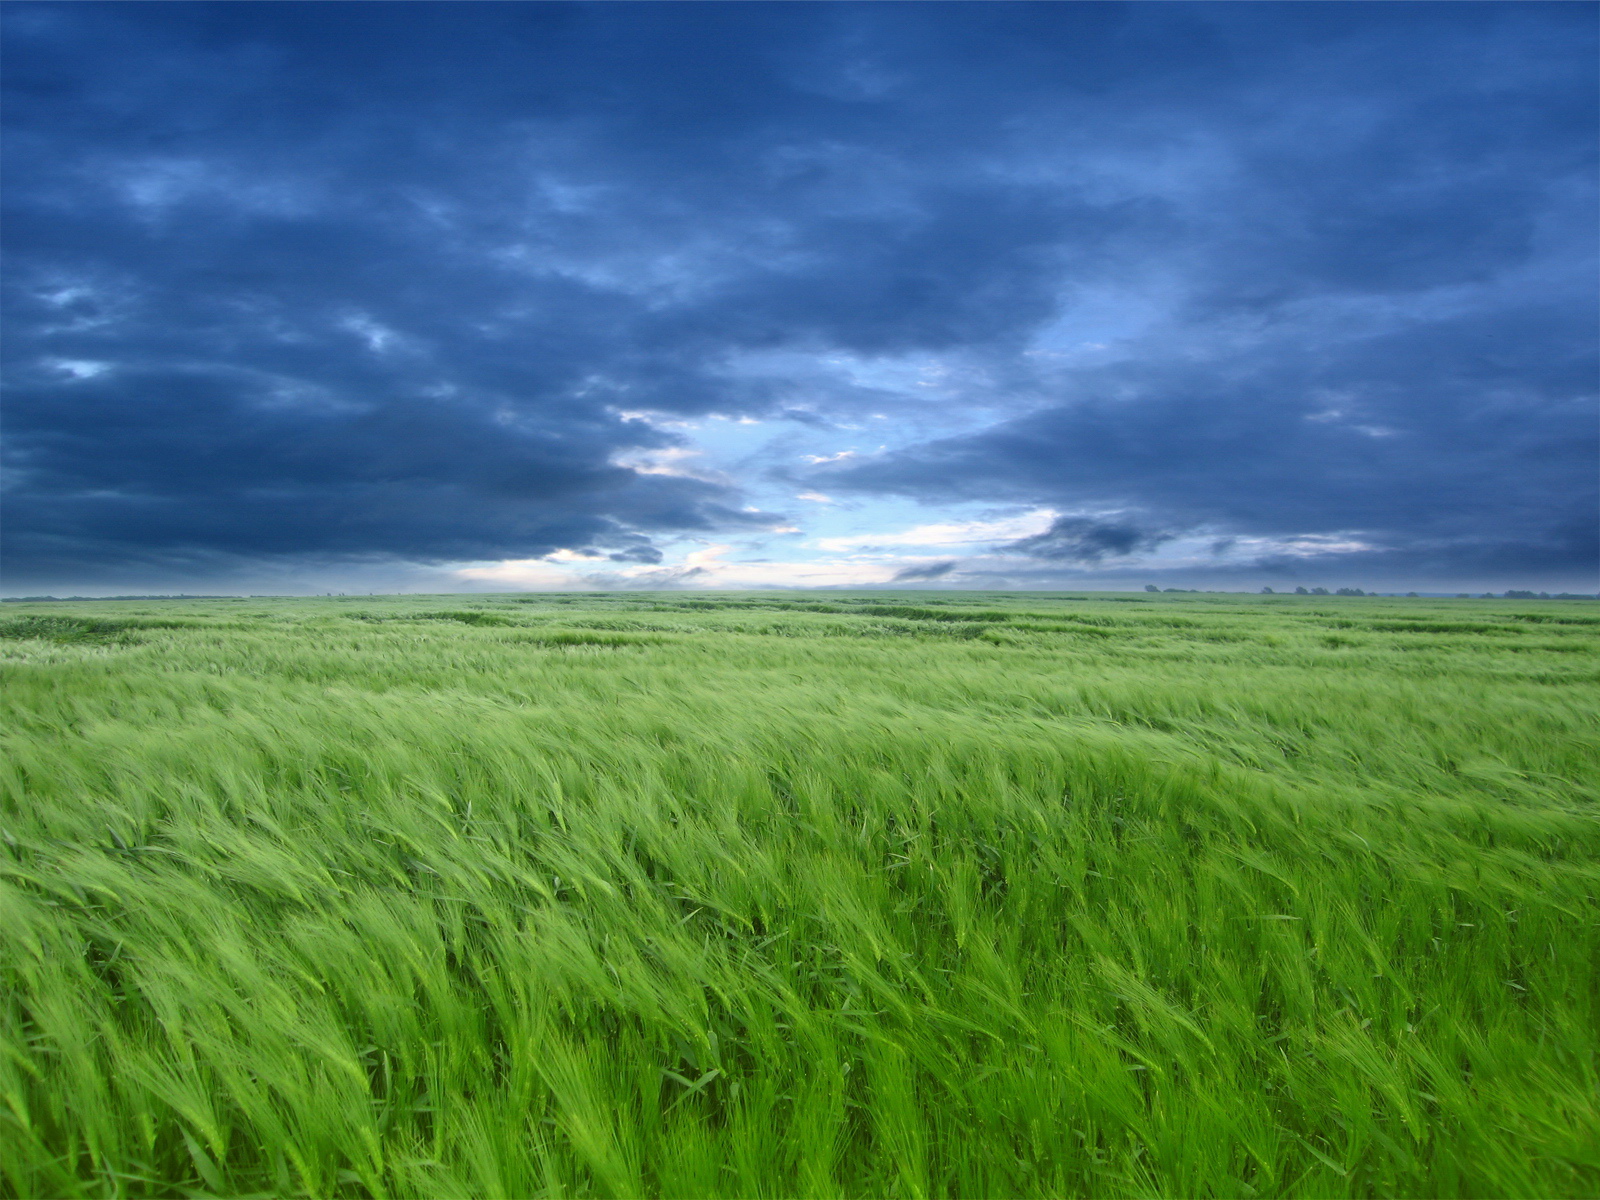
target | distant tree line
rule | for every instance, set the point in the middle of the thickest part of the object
(1345, 591)
(1537, 596)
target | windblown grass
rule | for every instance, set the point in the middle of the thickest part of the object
(865, 895)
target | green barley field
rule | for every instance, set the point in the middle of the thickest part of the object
(801, 895)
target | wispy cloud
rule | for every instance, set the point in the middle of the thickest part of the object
(947, 533)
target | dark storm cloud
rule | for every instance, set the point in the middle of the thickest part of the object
(925, 572)
(640, 552)
(1085, 540)
(383, 282)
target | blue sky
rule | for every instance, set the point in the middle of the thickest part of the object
(449, 296)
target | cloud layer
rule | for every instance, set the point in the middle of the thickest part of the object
(312, 285)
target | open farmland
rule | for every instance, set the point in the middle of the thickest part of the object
(788, 894)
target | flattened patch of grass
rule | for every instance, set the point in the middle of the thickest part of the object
(590, 637)
(67, 630)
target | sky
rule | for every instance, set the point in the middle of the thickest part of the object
(310, 297)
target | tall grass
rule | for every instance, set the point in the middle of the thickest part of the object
(765, 896)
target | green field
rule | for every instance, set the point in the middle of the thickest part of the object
(792, 894)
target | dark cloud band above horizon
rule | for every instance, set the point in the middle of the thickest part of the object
(430, 283)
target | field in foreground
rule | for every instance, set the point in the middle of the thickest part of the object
(777, 895)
